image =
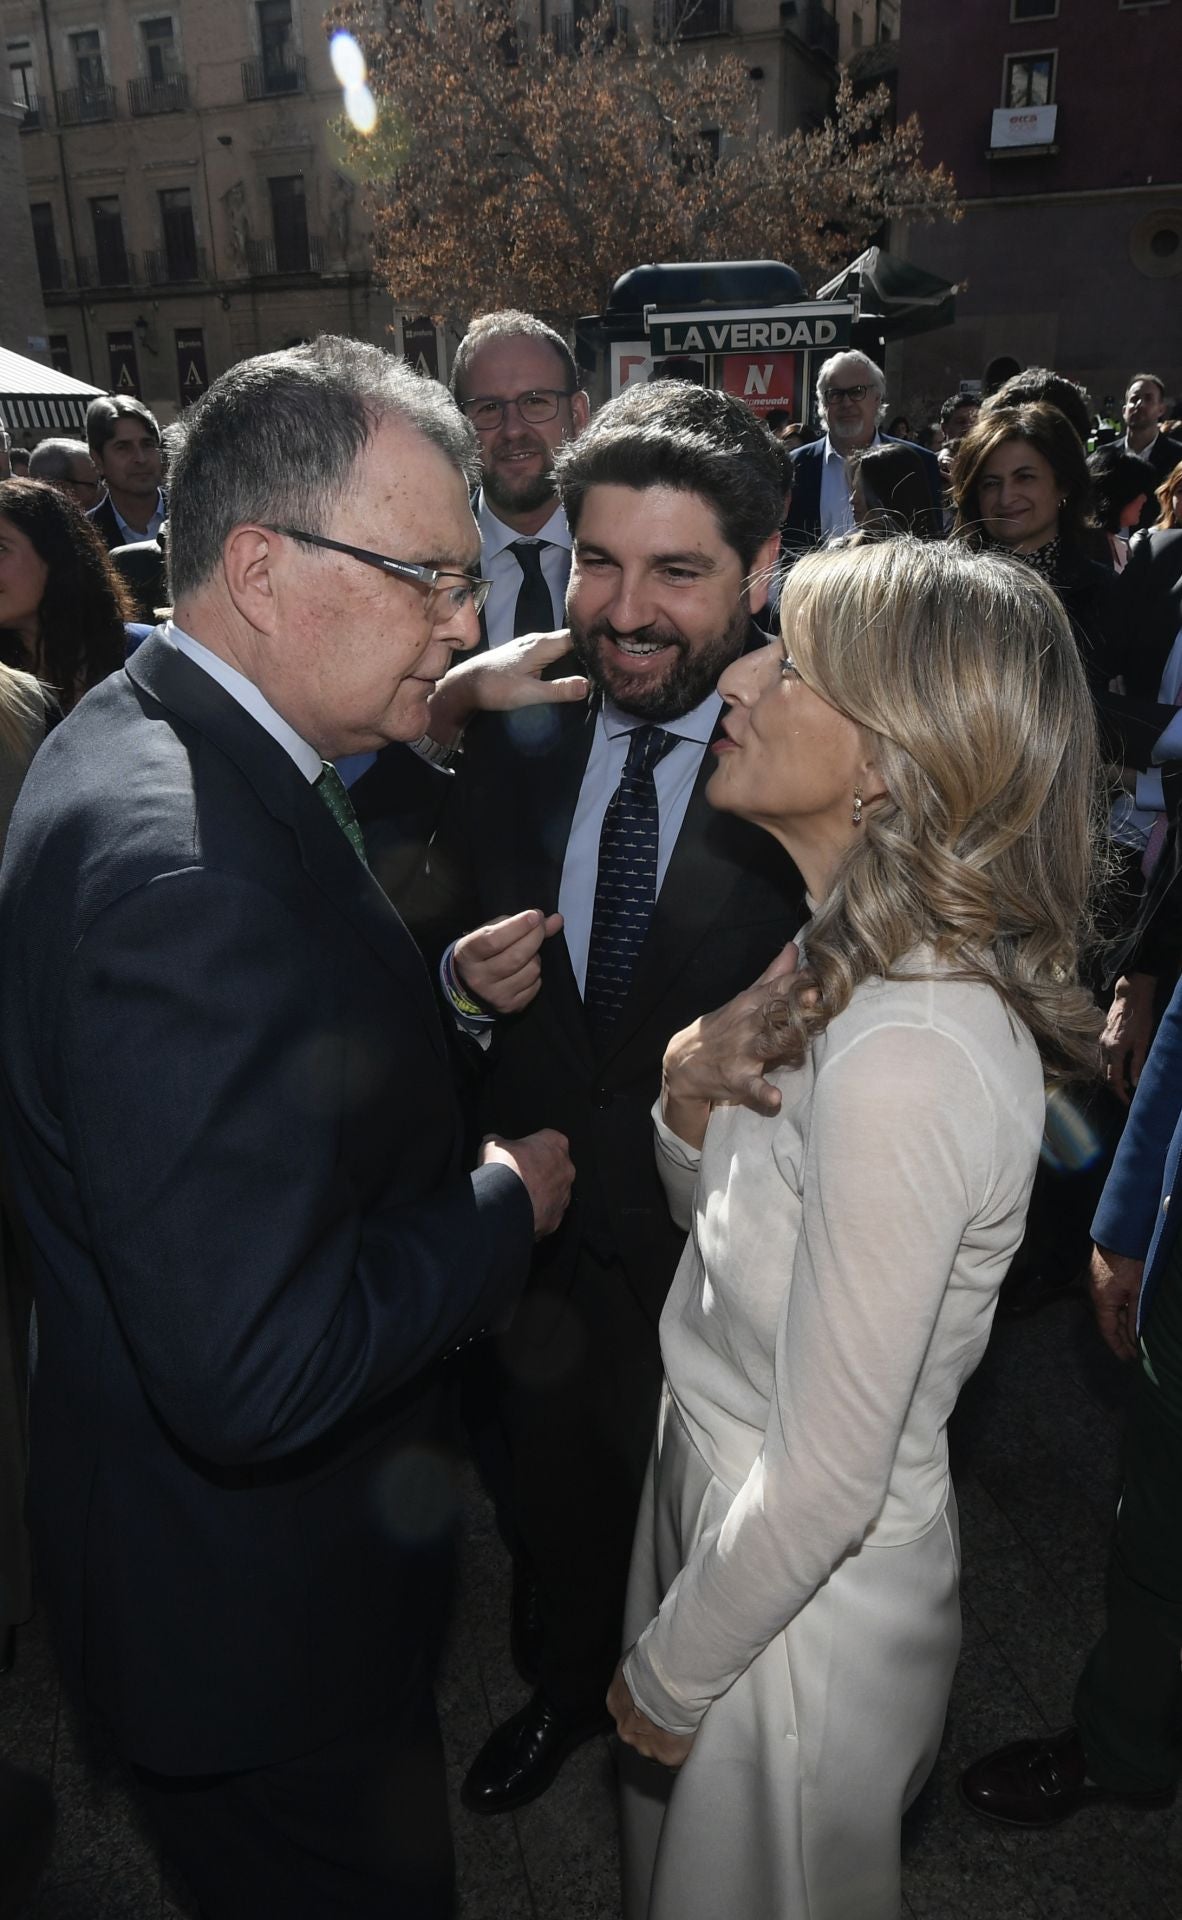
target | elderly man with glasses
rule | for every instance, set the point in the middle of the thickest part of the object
(516, 381)
(851, 400)
(67, 465)
(230, 1126)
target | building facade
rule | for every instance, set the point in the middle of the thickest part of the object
(22, 310)
(188, 204)
(1059, 121)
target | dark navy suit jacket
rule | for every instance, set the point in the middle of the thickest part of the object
(1134, 1216)
(229, 1120)
(802, 528)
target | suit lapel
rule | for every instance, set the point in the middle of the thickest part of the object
(552, 796)
(179, 685)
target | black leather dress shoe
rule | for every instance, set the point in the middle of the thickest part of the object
(525, 1625)
(1037, 1783)
(521, 1758)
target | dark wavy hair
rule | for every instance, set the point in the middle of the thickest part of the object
(689, 438)
(897, 491)
(1045, 428)
(80, 636)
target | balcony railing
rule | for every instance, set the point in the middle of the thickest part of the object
(163, 269)
(34, 117)
(113, 270)
(264, 260)
(159, 96)
(693, 19)
(812, 22)
(264, 78)
(80, 106)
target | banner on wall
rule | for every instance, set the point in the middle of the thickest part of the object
(125, 372)
(420, 345)
(192, 372)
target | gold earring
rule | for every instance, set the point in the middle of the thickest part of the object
(857, 806)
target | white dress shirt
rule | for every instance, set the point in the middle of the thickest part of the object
(837, 515)
(248, 696)
(154, 525)
(673, 778)
(504, 569)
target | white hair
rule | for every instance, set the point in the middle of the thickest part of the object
(850, 360)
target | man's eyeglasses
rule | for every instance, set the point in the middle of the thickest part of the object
(535, 407)
(429, 578)
(845, 393)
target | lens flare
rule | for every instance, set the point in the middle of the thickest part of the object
(361, 109)
(1071, 1142)
(348, 62)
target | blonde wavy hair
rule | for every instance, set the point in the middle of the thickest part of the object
(961, 670)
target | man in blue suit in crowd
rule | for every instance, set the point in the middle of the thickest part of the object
(1127, 1742)
(851, 397)
(229, 1122)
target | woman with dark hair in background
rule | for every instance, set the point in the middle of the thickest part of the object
(1121, 484)
(890, 493)
(1020, 485)
(900, 427)
(62, 606)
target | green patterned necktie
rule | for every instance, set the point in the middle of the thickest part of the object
(335, 795)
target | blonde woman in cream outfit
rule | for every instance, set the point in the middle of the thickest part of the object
(923, 746)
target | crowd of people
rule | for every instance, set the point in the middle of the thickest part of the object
(550, 934)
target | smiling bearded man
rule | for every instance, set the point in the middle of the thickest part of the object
(611, 907)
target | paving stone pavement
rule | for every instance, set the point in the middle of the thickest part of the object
(1035, 1451)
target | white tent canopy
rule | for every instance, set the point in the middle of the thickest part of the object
(35, 398)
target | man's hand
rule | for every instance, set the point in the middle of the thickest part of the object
(1127, 1033)
(637, 1730)
(499, 680)
(720, 1059)
(1114, 1282)
(542, 1160)
(499, 963)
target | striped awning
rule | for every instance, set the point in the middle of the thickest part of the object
(35, 398)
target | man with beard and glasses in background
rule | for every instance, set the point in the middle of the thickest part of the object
(612, 907)
(517, 382)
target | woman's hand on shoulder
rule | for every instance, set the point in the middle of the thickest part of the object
(637, 1730)
(720, 1059)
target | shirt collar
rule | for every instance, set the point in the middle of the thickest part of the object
(831, 452)
(495, 536)
(247, 694)
(698, 724)
(157, 515)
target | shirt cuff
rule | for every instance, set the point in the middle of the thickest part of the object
(466, 1012)
(672, 1147)
(1150, 792)
(656, 1701)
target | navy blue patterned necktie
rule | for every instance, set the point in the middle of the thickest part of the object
(626, 882)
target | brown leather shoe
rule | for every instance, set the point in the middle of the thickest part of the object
(1037, 1783)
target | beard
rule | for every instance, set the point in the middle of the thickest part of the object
(691, 674)
(519, 493)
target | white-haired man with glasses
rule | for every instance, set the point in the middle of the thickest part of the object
(851, 400)
(516, 381)
(229, 1123)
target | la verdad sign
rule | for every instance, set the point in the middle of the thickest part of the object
(749, 332)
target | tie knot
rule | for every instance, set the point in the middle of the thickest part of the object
(647, 745)
(528, 555)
